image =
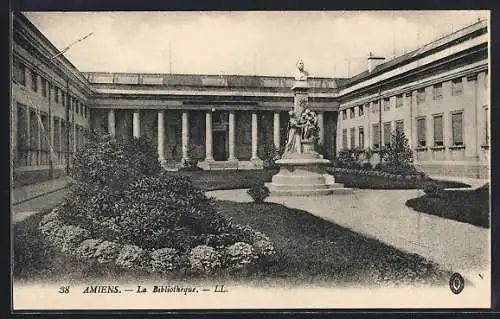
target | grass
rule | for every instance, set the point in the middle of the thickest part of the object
(382, 182)
(227, 179)
(310, 250)
(468, 206)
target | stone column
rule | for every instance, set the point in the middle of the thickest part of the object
(232, 157)
(276, 131)
(254, 136)
(161, 136)
(136, 124)
(208, 137)
(185, 135)
(321, 127)
(111, 122)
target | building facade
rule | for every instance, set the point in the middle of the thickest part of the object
(439, 94)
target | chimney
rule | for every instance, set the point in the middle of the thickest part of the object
(373, 61)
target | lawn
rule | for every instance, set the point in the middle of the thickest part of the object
(468, 206)
(309, 250)
(227, 179)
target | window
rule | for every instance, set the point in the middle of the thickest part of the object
(399, 100)
(63, 98)
(387, 104)
(344, 138)
(457, 86)
(344, 114)
(486, 79)
(361, 110)
(376, 135)
(486, 132)
(387, 133)
(56, 94)
(437, 91)
(34, 81)
(457, 128)
(351, 113)
(361, 137)
(421, 134)
(400, 126)
(420, 95)
(438, 130)
(353, 137)
(19, 73)
(374, 106)
(44, 87)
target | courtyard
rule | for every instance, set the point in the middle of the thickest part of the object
(342, 239)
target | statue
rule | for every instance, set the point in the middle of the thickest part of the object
(294, 139)
(301, 74)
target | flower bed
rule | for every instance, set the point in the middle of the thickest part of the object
(250, 249)
(376, 179)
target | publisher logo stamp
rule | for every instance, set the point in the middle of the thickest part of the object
(457, 283)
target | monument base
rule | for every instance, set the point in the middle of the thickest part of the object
(304, 175)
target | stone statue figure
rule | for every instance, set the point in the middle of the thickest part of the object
(294, 140)
(301, 74)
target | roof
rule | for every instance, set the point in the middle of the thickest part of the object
(200, 80)
(436, 45)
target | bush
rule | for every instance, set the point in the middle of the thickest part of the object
(122, 196)
(240, 255)
(190, 165)
(397, 156)
(367, 166)
(259, 192)
(270, 154)
(379, 166)
(131, 256)
(432, 189)
(164, 260)
(204, 259)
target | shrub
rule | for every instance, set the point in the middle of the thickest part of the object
(432, 189)
(270, 154)
(259, 192)
(106, 252)
(397, 156)
(190, 165)
(88, 248)
(69, 238)
(164, 260)
(379, 166)
(240, 255)
(204, 259)
(131, 256)
(367, 166)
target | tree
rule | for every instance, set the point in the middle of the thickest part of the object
(398, 156)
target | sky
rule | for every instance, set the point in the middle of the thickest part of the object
(331, 43)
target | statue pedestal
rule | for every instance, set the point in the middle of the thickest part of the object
(304, 174)
(302, 171)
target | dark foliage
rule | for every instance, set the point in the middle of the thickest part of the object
(259, 192)
(432, 189)
(122, 195)
(468, 206)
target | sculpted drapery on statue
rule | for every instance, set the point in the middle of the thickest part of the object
(294, 139)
